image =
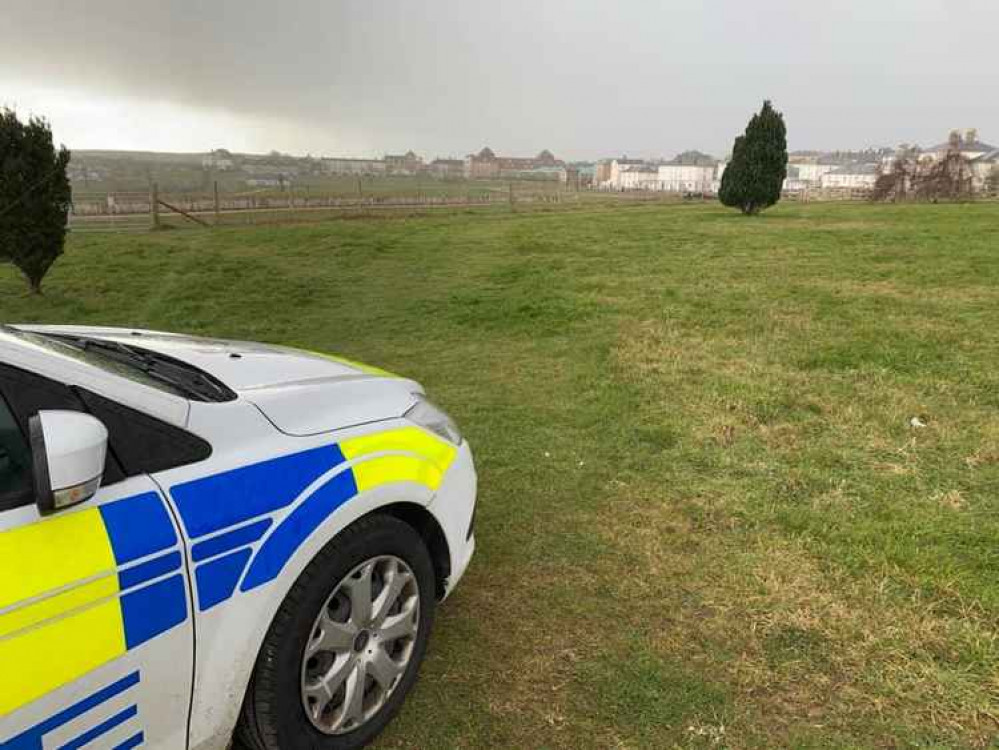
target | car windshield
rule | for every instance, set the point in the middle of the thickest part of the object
(139, 365)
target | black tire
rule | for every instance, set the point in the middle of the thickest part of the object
(272, 717)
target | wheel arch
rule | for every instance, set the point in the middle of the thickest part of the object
(429, 529)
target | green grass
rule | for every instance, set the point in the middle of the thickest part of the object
(183, 179)
(705, 520)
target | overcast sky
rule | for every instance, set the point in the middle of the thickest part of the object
(584, 78)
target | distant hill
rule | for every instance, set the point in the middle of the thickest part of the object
(108, 170)
(158, 157)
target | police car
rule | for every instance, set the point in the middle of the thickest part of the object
(204, 539)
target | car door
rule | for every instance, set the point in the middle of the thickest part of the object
(96, 634)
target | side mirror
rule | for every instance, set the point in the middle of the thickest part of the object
(67, 451)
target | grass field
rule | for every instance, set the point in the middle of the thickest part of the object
(196, 181)
(706, 518)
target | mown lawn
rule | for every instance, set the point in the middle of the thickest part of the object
(706, 517)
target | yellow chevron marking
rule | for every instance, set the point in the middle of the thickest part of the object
(386, 469)
(403, 439)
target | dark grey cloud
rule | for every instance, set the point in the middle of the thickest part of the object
(582, 77)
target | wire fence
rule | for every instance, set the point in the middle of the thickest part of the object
(138, 211)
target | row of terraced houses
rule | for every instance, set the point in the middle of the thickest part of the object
(693, 172)
(482, 165)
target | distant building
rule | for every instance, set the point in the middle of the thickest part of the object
(638, 177)
(259, 167)
(985, 172)
(447, 168)
(582, 175)
(487, 165)
(407, 163)
(602, 172)
(619, 167)
(794, 182)
(219, 160)
(85, 174)
(265, 180)
(344, 165)
(852, 176)
(558, 174)
(811, 171)
(982, 158)
(689, 172)
(966, 144)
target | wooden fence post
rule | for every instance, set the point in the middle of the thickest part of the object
(154, 200)
(217, 207)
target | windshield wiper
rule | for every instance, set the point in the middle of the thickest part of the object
(187, 379)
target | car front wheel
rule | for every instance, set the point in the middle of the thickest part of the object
(346, 645)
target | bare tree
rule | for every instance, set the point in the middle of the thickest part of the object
(896, 177)
(909, 177)
(950, 178)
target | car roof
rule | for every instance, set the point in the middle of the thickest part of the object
(18, 350)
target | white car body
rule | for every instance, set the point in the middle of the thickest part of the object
(136, 617)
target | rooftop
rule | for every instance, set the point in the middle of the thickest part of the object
(856, 169)
(965, 146)
(694, 159)
(991, 157)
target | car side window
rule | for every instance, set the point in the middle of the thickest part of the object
(143, 444)
(15, 461)
(137, 442)
(28, 393)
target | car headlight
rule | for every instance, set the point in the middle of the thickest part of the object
(433, 418)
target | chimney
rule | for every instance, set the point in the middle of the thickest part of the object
(955, 139)
(971, 136)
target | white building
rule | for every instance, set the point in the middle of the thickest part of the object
(687, 178)
(267, 181)
(984, 168)
(812, 171)
(967, 144)
(219, 159)
(637, 177)
(617, 166)
(852, 176)
(794, 182)
(344, 165)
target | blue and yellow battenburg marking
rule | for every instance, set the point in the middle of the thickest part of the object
(227, 513)
(93, 723)
(81, 589)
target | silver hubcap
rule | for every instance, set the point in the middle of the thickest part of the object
(361, 644)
